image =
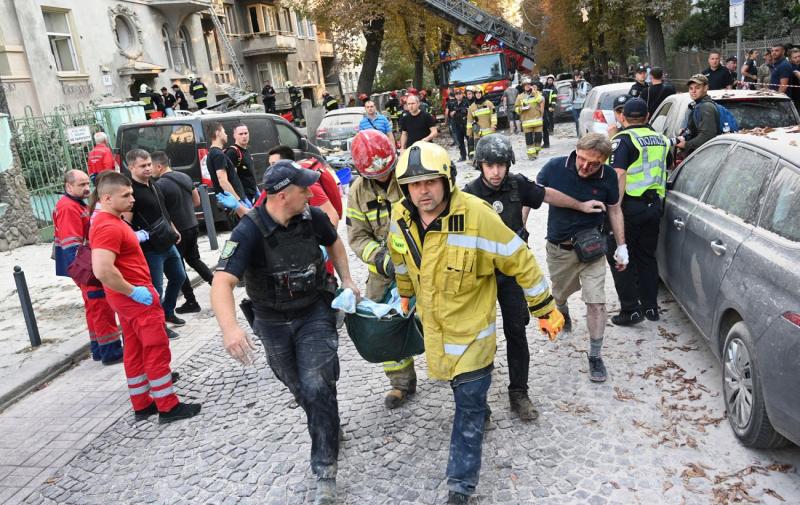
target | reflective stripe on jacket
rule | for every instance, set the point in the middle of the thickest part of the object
(455, 285)
(485, 115)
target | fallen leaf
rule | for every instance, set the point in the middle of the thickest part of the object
(666, 486)
(624, 395)
(773, 494)
(694, 471)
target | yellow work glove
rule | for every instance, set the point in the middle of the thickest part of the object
(551, 323)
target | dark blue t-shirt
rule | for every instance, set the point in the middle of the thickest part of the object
(562, 174)
(245, 247)
(780, 70)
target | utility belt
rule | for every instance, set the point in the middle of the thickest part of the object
(296, 282)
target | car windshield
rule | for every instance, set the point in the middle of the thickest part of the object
(340, 126)
(487, 67)
(177, 140)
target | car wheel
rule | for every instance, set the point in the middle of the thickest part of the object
(744, 398)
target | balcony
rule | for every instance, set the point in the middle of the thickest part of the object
(222, 77)
(325, 48)
(256, 44)
(177, 9)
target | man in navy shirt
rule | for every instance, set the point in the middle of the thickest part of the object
(276, 247)
(719, 77)
(584, 176)
(781, 70)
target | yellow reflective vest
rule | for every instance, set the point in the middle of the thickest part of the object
(649, 171)
(486, 117)
(367, 218)
(455, 282)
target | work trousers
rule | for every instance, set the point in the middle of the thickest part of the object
(102, 324)
(516, 317)
(191, 254)
(460, 135)
(302, 352)
(466, 440)
(147, 355)
(167, 263)
(637, 285)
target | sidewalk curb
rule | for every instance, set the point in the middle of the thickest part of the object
(56, 367)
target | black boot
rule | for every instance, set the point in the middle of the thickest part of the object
(178, 412)
(627, 318)
(454, 498)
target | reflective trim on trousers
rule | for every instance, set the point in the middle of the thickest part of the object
(161, 393)
(393, 366)
(132, 381)
(139, 391)
(161, 380)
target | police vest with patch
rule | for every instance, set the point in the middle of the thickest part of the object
(505, 201)
(293, 275)
(649, 171)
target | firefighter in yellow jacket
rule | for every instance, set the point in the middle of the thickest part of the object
(453, 278)
(369, 207)
(530, 107)
(481, 119)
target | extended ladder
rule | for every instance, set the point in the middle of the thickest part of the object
(480, 21)
(237, 68)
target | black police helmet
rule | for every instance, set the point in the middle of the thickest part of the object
(494, 148)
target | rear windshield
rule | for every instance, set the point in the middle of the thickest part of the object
(761, 113)
(341, 126)
(757, 113)
(607, 100)
(177, 140)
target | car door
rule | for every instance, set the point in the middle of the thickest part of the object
(687, 186)
(717, 227)
(774, 253)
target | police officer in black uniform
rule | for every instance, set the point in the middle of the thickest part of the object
(457, 112)
(512, 196)
(640, 156)
(296, 98)
(276, 248)
(640, 85)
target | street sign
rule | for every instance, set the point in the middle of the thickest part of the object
(79, 134)
(736, 13)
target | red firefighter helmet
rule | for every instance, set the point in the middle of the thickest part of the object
(363, 97)
(423, 93)
(411, 91)
(373, 154)
(393, 94)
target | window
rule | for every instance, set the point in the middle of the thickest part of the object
(696, 174)
(124, 33)
(301, 26)
(738, 185)
(274, 72)
(314, 72)
(167, 46)
(312, 30)
(286, 21)
(782, 209)
(287, 136)
(660, 121)
(231, 26)
(177, 140)
(185, 41)
(255, 25)
(59, 35)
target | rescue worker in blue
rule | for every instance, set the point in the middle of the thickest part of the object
(276, 248)
(640, 156)
(199, 91)
(446, 246)
(512, 196)
(329, 102)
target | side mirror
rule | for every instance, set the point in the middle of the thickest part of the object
(303, 144)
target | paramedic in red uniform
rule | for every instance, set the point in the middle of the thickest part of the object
(100, 158)
(119, 263)
(71, 222)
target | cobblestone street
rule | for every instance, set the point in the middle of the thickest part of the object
(654, 433)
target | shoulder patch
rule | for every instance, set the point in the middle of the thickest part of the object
(228, 249)
(398, 243)
(615, 144)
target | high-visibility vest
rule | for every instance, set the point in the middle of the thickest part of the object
(649, 171)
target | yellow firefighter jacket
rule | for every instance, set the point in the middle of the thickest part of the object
(485, 116)
(531, 111)
(455, 282)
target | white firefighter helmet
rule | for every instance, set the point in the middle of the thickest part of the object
(191, 77)
(289, 84)
(143, 88)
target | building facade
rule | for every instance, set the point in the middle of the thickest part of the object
(57, 53)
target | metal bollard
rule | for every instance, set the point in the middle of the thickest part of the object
(27, 307)
(208, 216)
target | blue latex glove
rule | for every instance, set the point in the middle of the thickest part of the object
(142, 235)
(247, 203)
(141, 295)
(227, 200)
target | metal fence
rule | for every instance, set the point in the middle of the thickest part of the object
(48, 146)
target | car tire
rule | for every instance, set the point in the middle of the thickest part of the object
(742, 393)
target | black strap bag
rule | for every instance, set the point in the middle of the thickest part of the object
(589, 245)
(162, 234)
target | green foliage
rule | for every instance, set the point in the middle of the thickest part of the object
(763, 18)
